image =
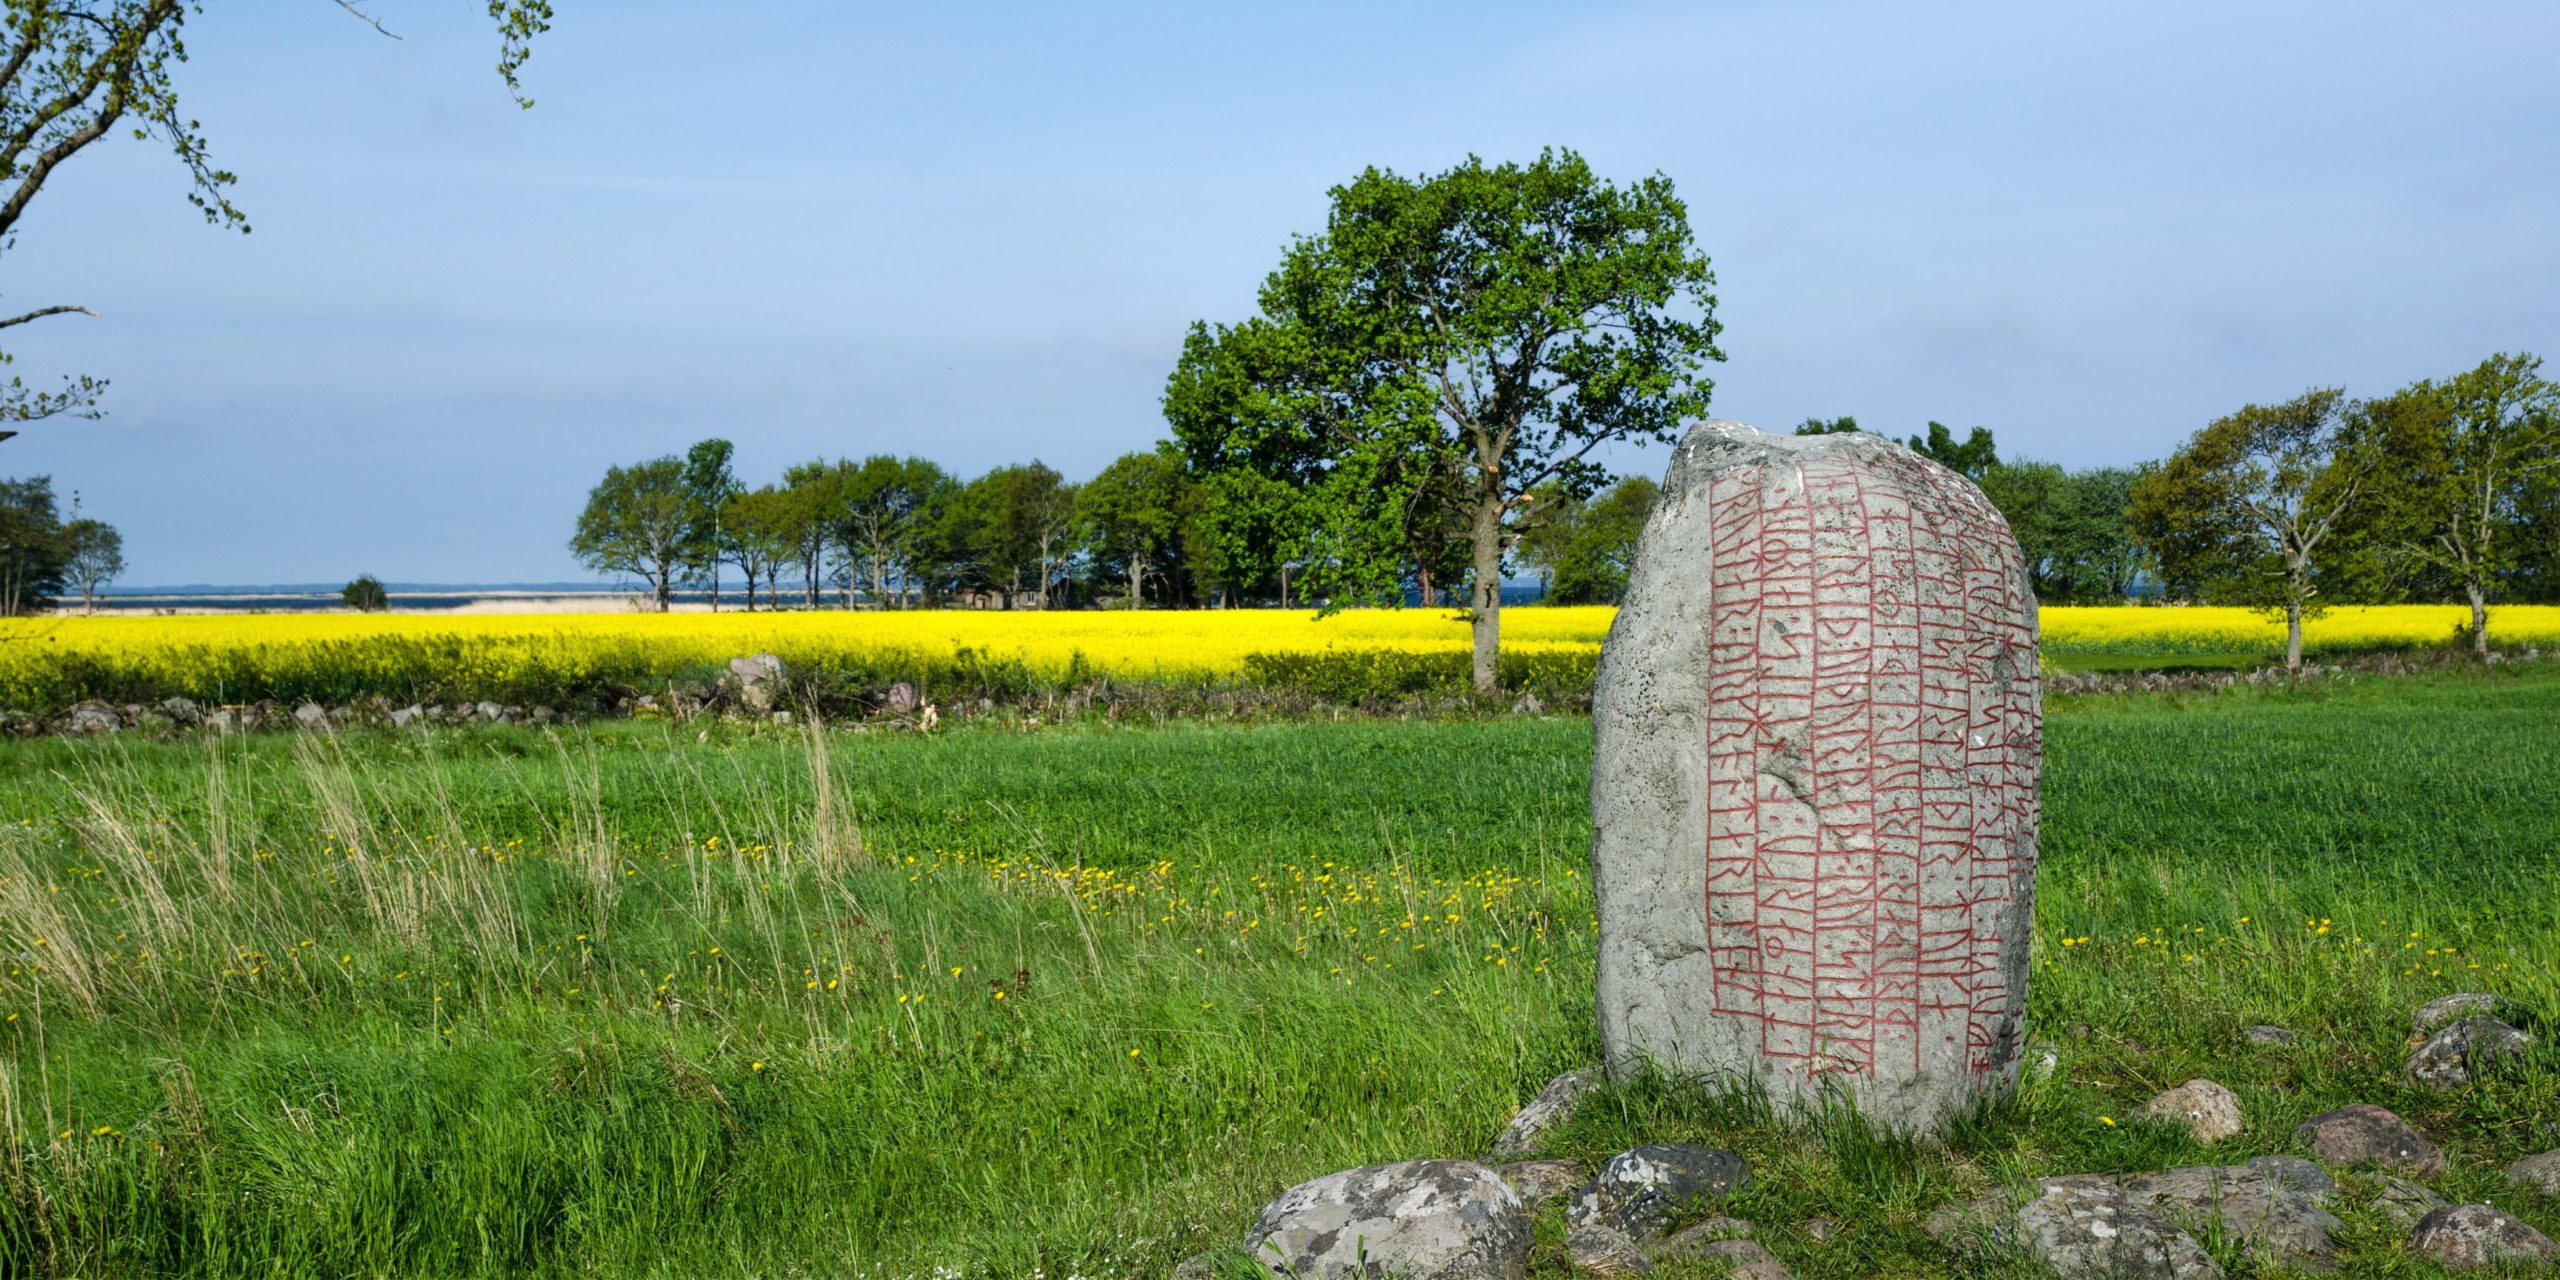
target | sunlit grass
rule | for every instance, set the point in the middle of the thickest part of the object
(639, 1002)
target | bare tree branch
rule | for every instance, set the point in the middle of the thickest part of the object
(41, 312)
(367, 18)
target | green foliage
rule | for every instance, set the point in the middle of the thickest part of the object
(1448, 344)
(1591, 546)
(708, 486)
(34, 556)
(1827, 427)
(637, 521)
(1133, 516)
(365, 595)
(1969, 457)
(885, 507)
(93, 555)
(2241, 513)
(2467, 467)
(2074, 528)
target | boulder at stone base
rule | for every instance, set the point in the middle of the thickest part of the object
(1418, 1220)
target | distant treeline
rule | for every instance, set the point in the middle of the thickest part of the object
(46, 554)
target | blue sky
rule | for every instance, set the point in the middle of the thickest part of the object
(977, 234)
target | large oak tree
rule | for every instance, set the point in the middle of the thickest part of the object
(1448, 344)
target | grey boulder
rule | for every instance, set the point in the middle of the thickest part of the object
(2367, 1134)
(311, 715)
(1641, 1191)
(2267, 1035)
(92, 717)
(2207, 1110)
(1541, 1182)
(2537, 1173)
(2090, 1233)
(2464, 1236)
(1417, 1220)
(759, 680)
(2464, 1049)
(1553, 1105)
(2276, 1206)
(2442, 1010)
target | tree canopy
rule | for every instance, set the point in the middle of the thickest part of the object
(1443, 347)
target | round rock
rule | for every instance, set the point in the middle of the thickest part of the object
(2209, 1111)
(2442, 1010)
(2367, 1134)
(1640, 1192)
(1817, 738)
(1423, 1219)
(2537, 1173)
(2464, 1236)
(2463, 1049)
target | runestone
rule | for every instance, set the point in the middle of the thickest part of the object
(1818, 731)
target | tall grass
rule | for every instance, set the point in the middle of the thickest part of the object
(632, 1001)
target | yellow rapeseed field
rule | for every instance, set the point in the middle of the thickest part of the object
(46, 662)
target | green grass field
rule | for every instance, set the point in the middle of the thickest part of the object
(646, 1001)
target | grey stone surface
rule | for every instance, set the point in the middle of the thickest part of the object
(2537, 1173)
(1419, 1220)
(1717, 1240)
(2208, 1111)
(759, 680)
(2463, 1049)
(402, 717)
(1818, 733)
(2366, 1134)
(2092, 1233)
(1550, 1108)
(1539, 1183)
(2464, 1236)
(2267, 1035)
(2398, 1201)
(1641, 1192)
(2275, 1206)
(311, 715)
(901, 699)
(1605, 1251)
(2442, 1010)
(181, 710)
(92, 717)
(224, 720)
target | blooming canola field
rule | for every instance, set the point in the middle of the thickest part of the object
(569, 658)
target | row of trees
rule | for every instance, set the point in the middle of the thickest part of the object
(44, 554)
(901, 531)
(2445, 489)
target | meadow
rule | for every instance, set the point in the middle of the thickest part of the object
(587, 662)
(722, 998)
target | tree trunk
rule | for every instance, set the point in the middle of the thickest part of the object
(1137, 581)
(2479, 619)
(2293, 635)
(1284, 586)
(1487, 539)
(1422, 578)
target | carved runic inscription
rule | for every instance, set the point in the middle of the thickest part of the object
(1871, 769)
